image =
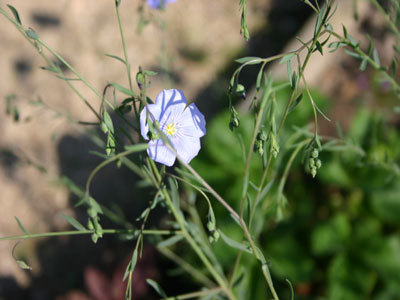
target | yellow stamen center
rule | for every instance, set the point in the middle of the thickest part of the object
(171, 129)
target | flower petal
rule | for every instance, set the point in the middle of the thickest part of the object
(160, 153)
(172, 103)
(187, 147)
(154, 114)
(192, 122)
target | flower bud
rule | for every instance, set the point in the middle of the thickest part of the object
(314, 153)
(318, 163)
(90, 225)
(140, 78)
(313, 172)
(241, 91)
(311, 162)
(211, 226)
(274, 147)
(95, 237)
(216, 235)
(91, 212)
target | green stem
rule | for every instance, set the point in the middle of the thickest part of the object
(106, 162)
(21, 29)
(81, 78)
(365, 56)
(222, 282)
(82, 232)
(387, 18)
(194, 294)
(187, 267)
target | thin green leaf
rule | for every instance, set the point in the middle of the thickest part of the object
(234, 244)
(117, 58)
(156, 287)
(15, 13)
(287, 58)
(319, 20)
(353, 42)
(376, 58)
(319, 48)
(23, 265)
(131, 266)
(363, 65)
(249, 60)
(74, 222)
(344, 31)
(108, 121)
(123, 89)
(149, 73)
(51, 69)
(353, 54)
(170, 241)
(67, 78)
(136, 148)
(259, 78)
(21, 226)
(295, 103)
(291, 289)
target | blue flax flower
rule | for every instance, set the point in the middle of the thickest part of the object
(158, 4)
(183, 125)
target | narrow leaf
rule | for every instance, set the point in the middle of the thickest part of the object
(117, 58)
(250, 60)
(21, 226)
(376, 57)
(123, 89)
(234, 244)
(363, 65)
(150, 73)
(287, 58)
(170, 241)
(74, 222)
(296, 102)
(136, 148)
(353, 54)
(15, 13)
(259, 78)
(23, 265)
(156, 287)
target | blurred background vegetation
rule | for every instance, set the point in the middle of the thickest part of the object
(338, 236)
